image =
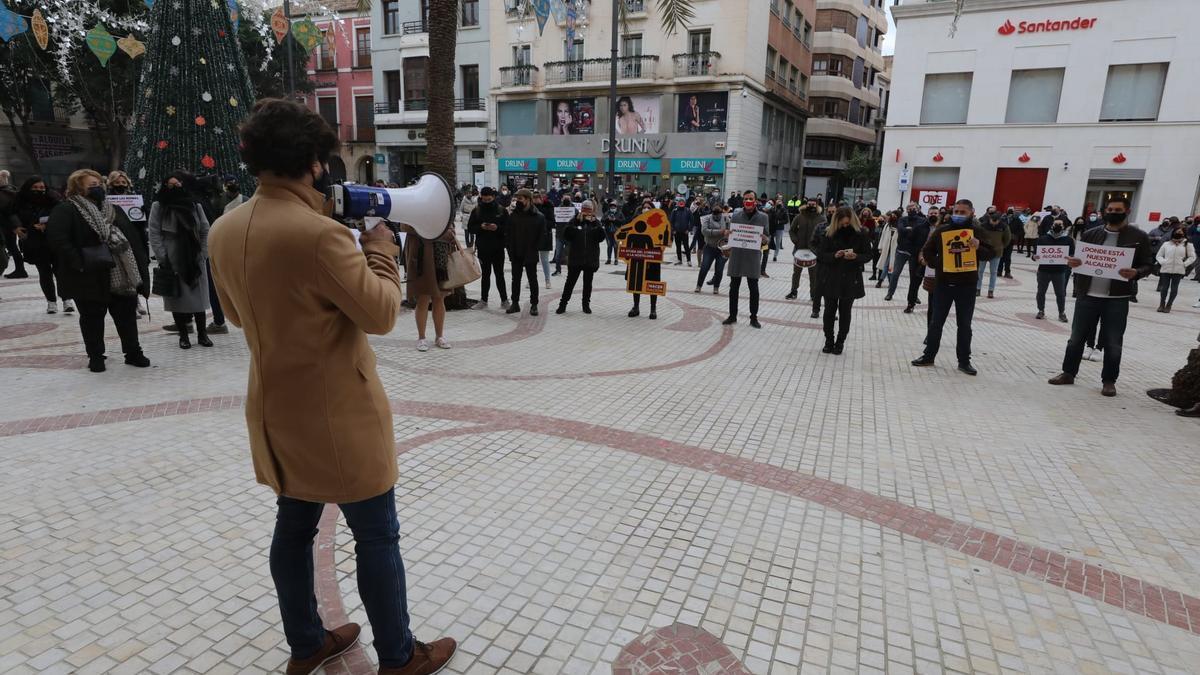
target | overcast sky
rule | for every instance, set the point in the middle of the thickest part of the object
(889, 40)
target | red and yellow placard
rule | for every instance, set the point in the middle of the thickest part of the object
(642, 242)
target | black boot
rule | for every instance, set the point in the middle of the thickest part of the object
(184, 341)
(202, 338)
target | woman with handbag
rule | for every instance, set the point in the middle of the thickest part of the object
(32, 208)
(99, 266)
(427, 263)
(179, 239)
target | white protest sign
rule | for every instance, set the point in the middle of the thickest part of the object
(1104, 261)
(745, 235)
(931, 199)
(564, 214)
(1053, 255)
(132, 205)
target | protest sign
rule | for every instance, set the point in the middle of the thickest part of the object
(1104, 261)
(132, 205)
(745, 235)
(1052, 255)
(957, 254)
(564, 214)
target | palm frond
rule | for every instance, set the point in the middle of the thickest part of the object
(675, 14)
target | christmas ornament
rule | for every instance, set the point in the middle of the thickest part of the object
(11, 24)
(307, 34)
(171, 110)
(131, 46)
(203, 61)
(208, 162)
(200, 120)
(233, 102)
(149, 4)
(41, 32)
(234, 14)
(221, 33)
(175, 40)
(141, 173)
(206, 97)
(101, 43)
(279, 25)
(161, 145)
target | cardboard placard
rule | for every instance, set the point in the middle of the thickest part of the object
(957, 254)
(745, 235)
(132, 205)
(564, 214)
(1053, 255)
(642, 241)
(1105, 262)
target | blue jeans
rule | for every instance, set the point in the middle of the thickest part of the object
(1111, 314)
(994, 264)
(962, 299)
(711, 254)
(380, 575)
(544, 257)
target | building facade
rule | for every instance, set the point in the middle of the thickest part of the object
(844, 97)
(1035, 102)
(400, 53)
(694, 108)
(340, 68)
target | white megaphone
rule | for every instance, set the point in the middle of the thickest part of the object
(427, 206)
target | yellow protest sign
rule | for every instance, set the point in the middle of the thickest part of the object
(957, 254)
(642, 241)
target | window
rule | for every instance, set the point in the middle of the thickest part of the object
(325, 51)
(945, 98)
(574, 51)
(764, 125)
(793, 80)
(521, 55)
(470, 12)
(856, 75)
(1133, 92)
(415, 74)
(821, 148)
(391, 17)
(782, 72)
(362, 47)
(699, 41)
(364, 119)
(470, 87)
(328, 108)
(1033, 96)
(631, 45)
(391, 86)
(803, 84)
(631, 49)
(808, 29)
(772, 58)
(517, 118)
(819, 66)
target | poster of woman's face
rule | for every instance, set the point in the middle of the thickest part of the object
(637, 115)
(703, 111)
(571, 117)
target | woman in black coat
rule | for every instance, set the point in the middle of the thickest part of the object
(583, 236)
(101, 265)
(32, 207)
(546, 244)
(843, 251)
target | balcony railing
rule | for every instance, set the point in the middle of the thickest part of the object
(415, 104)
(634, 6)
(470, 104)
(517, 76)
(413, 27)
(421, 104)
(387, 107)
(598, 70)
(770, 73)
(697, 64)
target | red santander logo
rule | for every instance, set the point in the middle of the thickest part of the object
(1024, 157)
(1119, 158)
(1078, 23)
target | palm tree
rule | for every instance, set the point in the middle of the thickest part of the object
(439, 127)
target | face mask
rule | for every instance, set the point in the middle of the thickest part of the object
(1093, 218)
(749, 204)
(96, 193)
(1114, 218)
(323, 184)
(958, 219)
(119, 189)
(1178, 237)
(1057, 229)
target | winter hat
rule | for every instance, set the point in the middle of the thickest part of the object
(487, 192)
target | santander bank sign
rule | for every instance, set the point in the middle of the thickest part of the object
(1078, 23)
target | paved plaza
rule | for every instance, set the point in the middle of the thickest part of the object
(599, 494)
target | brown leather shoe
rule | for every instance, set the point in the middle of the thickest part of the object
(337, 641)
(427, 659)
(1108, 389)
(1062, 378)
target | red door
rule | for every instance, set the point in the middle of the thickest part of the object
(1019, 188)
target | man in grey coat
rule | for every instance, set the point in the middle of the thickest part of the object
(803, 228)
(746, 262)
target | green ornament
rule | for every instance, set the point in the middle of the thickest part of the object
(102, 44)
(307, 34)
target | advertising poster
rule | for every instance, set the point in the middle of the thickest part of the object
(957, 254)
(1052, 255)
(703, 111)
(637, 115)
(1104, 261)
(573, 117)
(932, 199)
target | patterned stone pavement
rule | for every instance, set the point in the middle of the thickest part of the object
(598, 494)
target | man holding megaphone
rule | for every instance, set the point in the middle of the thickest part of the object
(319, 420)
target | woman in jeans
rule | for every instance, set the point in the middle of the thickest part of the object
(32, 207)
(81, 231)
(842, 253)
(1055, 275)
(1174, 257)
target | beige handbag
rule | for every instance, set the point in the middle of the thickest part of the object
(462, 268)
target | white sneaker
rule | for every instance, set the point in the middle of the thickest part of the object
(548, 286)
(142, 311)
(1090, 355)
(68, 307)
(52, 308)
(1197, 305)
(482, 304)
(422, 345)
(442, 343)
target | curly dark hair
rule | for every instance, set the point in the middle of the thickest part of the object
(285, 137)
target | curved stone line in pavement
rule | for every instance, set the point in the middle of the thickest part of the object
(20, 330)
(677, 648)
(1153, 601)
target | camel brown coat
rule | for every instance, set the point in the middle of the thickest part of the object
(320, 423)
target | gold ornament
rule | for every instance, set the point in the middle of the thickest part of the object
(41, 31)
(131, 46)
(171, 110)
(233, 102)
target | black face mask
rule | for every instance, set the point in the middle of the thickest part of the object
(96, 194)
(119, 190)
(1178, 237)
(1114, 218)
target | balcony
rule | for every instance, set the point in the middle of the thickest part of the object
(518, 76)
(698, 64)
(635, 6)
(348, 134)
(416, 111)
(599, 70)
(839, 127)
(414, 27)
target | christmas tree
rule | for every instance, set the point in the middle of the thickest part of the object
(193, 93)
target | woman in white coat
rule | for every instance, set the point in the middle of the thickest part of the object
(1174, 257)
(888, 242)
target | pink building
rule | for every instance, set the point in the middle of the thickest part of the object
(341, 70)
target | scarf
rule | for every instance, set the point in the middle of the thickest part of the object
(441, 257)
(124, 278)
